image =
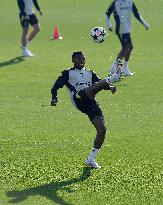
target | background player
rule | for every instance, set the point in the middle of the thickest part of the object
(27, 16)
(83, 85)
(122, 10)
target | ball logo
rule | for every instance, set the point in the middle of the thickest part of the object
(98, 34)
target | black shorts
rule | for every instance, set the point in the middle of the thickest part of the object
(86, 105)
(32, 20)
(124, 39)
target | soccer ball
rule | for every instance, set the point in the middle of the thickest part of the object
(98, 34)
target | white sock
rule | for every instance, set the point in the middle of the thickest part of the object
(24, 47)
(125, 65)
(93, 153)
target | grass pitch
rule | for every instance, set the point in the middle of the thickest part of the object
(43, 148)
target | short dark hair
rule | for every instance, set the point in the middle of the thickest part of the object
(76, 53)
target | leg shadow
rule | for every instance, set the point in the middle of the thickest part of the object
(12, 61)
(49, 190)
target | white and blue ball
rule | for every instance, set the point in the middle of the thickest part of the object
(98, 34)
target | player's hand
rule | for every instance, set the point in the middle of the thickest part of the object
(54, 102)
(41, 13)
(26, 18)
(146, 26)
(113, 89)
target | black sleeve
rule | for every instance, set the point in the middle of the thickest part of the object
(110, 9)
(136, 13)
(36, 5)
(95, 78)
(21, 6)
(60, 82)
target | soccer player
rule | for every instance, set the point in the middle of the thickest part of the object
(122, 10)
(83, 84)
(27, 16)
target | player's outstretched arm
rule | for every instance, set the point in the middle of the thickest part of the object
(107, 16)
(36, 5)
(139, 17)
(21, 6)
(59, 83)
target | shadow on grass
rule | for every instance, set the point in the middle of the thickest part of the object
(49, 190)
(15, 60)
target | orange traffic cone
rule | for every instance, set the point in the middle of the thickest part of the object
(56, 34)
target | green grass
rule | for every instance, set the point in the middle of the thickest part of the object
(43, 149)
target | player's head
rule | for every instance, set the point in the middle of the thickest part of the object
(78, 59)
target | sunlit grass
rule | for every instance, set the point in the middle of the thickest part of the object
(43, 149)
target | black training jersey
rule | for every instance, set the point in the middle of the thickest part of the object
(75, 80)
(122, 10)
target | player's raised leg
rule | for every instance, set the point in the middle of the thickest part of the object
(105, 84)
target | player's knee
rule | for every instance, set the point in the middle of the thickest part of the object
(123, 50)
(100, 137)
(37, 29)
(102, 131)
(129, 48)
